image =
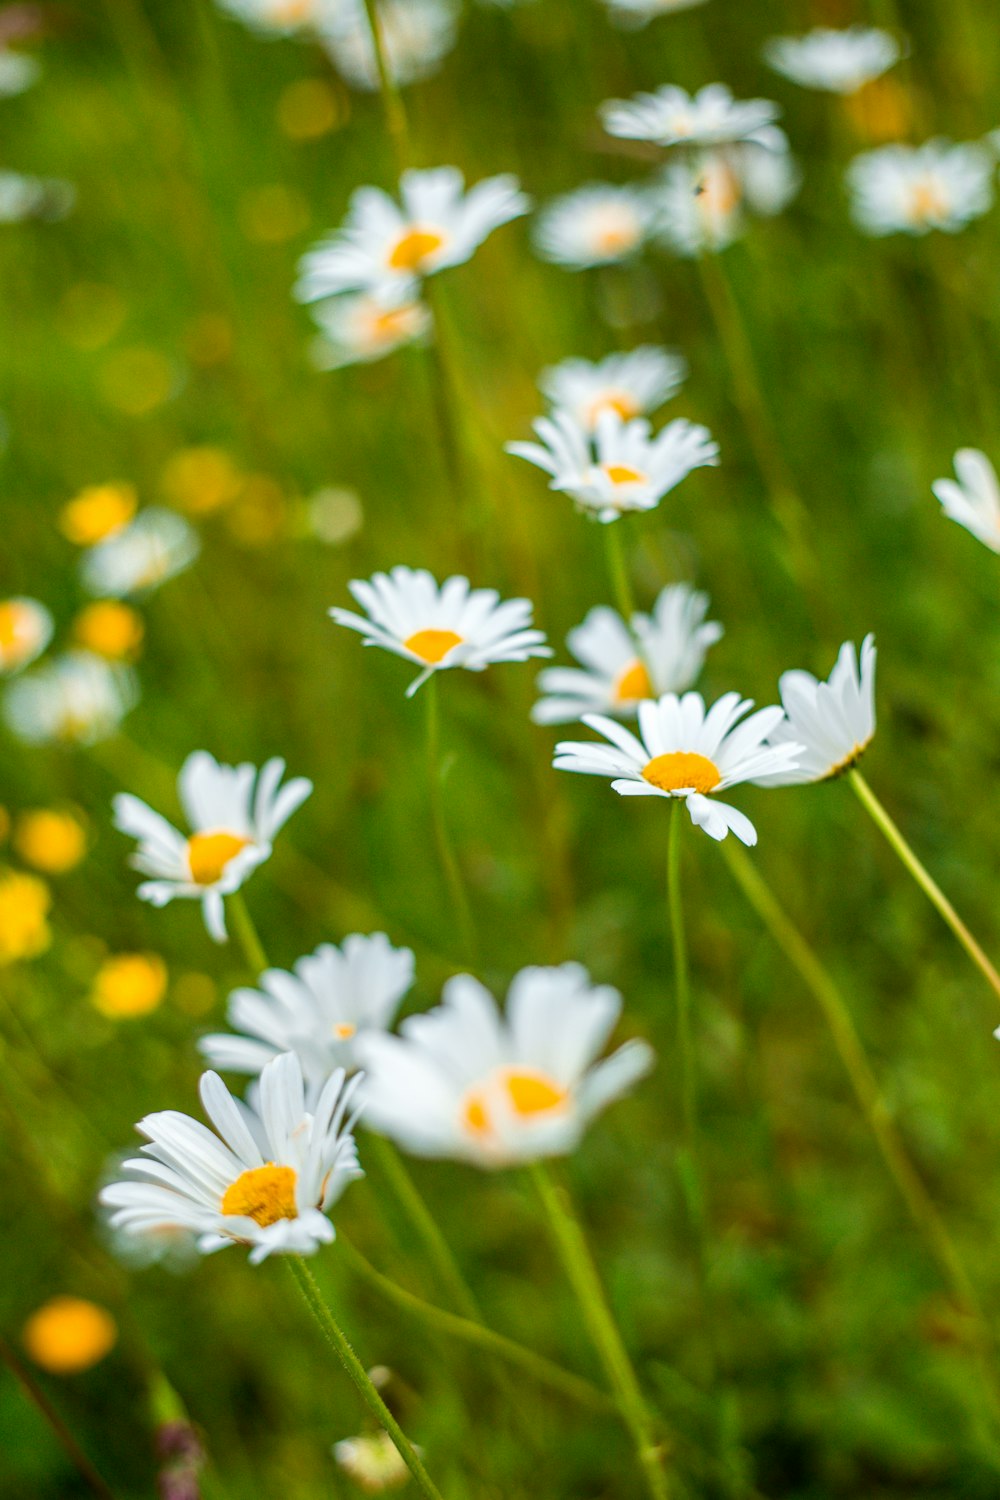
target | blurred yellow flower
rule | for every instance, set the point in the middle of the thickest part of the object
(129, 984)
(110, 629)
(201, 479)
(24, 907)
(51, 839)
(68, 1335)
(98, 511)
(311, 107)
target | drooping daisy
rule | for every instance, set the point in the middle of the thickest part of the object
(466, 1082)
(595, 225)
(684, 751)
(234, 813)
(156, 546)
(416, 36)
(703, 204)
(840, 62)
(77, 699)
(622, 467)
(662, 653)
(320, 1011)
(974, 500)
(387, 246)
(25, 631)
(639, 12)
(632, 384)
(264, 1178)
(914, 189)
(357, 328)
(439, 626)
(831, 722)
(711, 117)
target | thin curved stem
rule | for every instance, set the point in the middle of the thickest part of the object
(246, 932)
(446, 853)
(397, 125)
(40, 1401)
(682, 983)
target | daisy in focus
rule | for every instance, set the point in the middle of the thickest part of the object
(466, 1082)
(914, 189)
(662, 652)
(704, 204)
(598, 224)
(972, 498)
(357, 328)
(633, 384)
(416, 37)
(76, 699)
(266, 1178)
(234, 813)
(639, 12)
(621, 466)
(440, 626)
(387, 246)
(711, 117)
(831, 723)
(839, 62)
(686, 751)
(25, 631)
(320, 1011)
(156, 546)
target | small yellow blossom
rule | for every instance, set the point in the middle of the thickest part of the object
(51, 839)
(129, 984)
(98, 512)
(201, 479)
(110, 629)
(24, 907)
(68, 1335)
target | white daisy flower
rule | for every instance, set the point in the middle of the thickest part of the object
(439, 626)
(841, 62)
(234, 813)
(832, 723)
(914, 189)
(276, 17)
(25, 631)
(711, 117)
(78, 699)
(632, 384)
(595, 225)
(387, 247)
(373, 1461)
(156, 546)
(621, 467)
(702, 205)
(332, 998)
(416, 36)
(662, 653)
(21, 197)
(686, 752)
(357, 328)
(265, 1178)
(18, 72)
(464, 1081)
(974, 501)
(640, 12)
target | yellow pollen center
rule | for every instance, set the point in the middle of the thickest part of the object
(927, 201)
(527, 1094)
(287, 12)
(613, 238)
(620, 401)
(632, 683)
(97, 512)
(413, 248)
(432, 646)
(13, 619)
(264, 1194)
(391, 322)
(680, 769)
(622, 474)
(344, 1030)
(719, 191)
(209, 854)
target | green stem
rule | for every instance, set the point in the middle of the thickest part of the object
(34, 1393)
(618, 569)
(582, 1275)
(924, 879)
(682, 983)
(396, 122)
(446, 853)
(359, 1376)
(246, 932)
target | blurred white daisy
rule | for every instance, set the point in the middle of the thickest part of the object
(357, 328)
(632, 384)
(386, 246)
(439, 626)
(319, 1011)
(831, 722)
(595, 225)
(711, 117)
(973, 500)
(276, 17)
(264, 1178)
(639, 12)
(914, 189)
(466, 1082)
(416, 36)
(18, 72)
(25, 631)
(156, 546)
(663, 652)
(621, 466)
(685, 751)
(21, 197)
(78, 698)
(234, 813)
(703, 204)
(373, 1461)
(841, 62)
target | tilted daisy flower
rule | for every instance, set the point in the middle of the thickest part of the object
(595, 225)
(464, 1081)
(632, 384)
(439, 626)
(840, 62)
(622, 467)
(416, 36)
(25, 631)
(973, 500)
(662, 653)
(275, 17)
(76, 699)
(914, 189)
(703, 204)
(685, 751)
(384, 245)
(357, 328)
(711, 117)
(156, 546)
(234, 813)
(265, 1178)
(832, 723)
(332, 998)
(639, 12)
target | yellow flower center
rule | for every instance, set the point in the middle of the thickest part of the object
(527, 1093)
(718, 191)
(679, 769)
(264, 1194)
(109, 629)
(344, 1030)
(432, 646)
(50, 840)
(393, 322)
(616, 234)
(209, 854)
(622, 474)
(620, 401)
(927, 201)
(288, 12)
(414, 248)
(130, 984)
(632, 683)
(97, 512)
(68, 1335)
(15, 623)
